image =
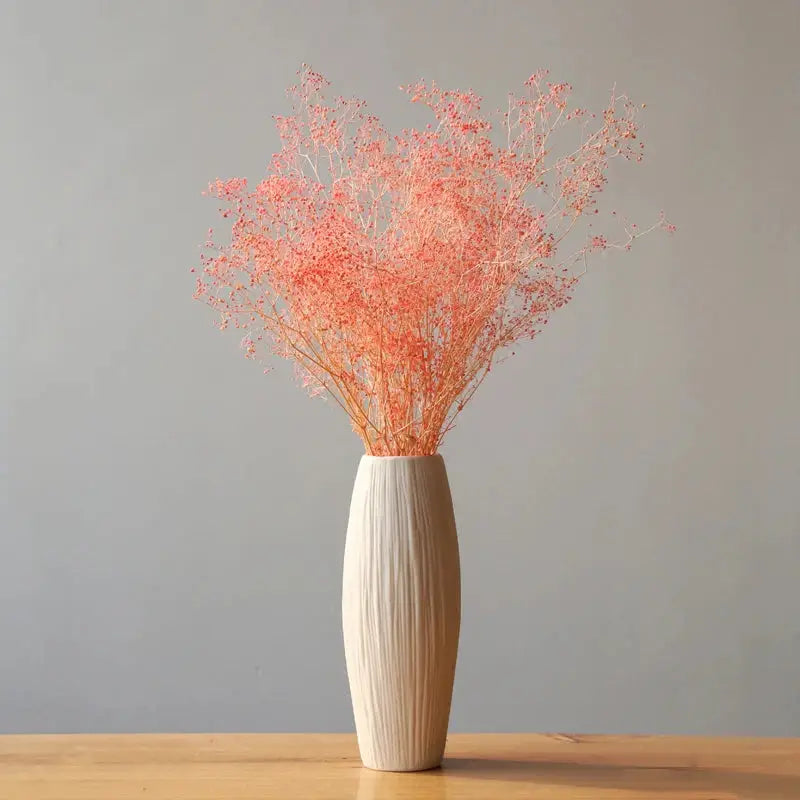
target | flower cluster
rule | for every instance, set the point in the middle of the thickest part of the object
(395, 270)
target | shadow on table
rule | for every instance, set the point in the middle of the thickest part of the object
(628, 778)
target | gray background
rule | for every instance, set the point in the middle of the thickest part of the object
(626, 488)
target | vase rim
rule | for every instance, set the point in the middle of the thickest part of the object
(399, 458)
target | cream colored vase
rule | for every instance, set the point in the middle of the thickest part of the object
(401, 610)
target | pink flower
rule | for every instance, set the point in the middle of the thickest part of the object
(395, 270)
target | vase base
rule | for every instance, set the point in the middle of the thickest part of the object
(389, 767)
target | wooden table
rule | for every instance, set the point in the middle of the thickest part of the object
(326, 767)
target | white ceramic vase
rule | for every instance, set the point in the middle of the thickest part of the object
(401, 610)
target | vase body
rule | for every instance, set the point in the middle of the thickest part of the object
(401, 610)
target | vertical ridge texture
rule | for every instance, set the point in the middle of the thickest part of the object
(401, 610)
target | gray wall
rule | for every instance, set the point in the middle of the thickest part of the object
(626, 488)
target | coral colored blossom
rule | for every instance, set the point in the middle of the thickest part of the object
(396, 270)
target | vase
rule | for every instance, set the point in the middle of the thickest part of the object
(401, 610)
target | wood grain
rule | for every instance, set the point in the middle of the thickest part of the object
(326, 767)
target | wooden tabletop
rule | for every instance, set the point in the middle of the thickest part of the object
(326, 767)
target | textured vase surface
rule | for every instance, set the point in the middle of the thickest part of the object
(401, 610)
